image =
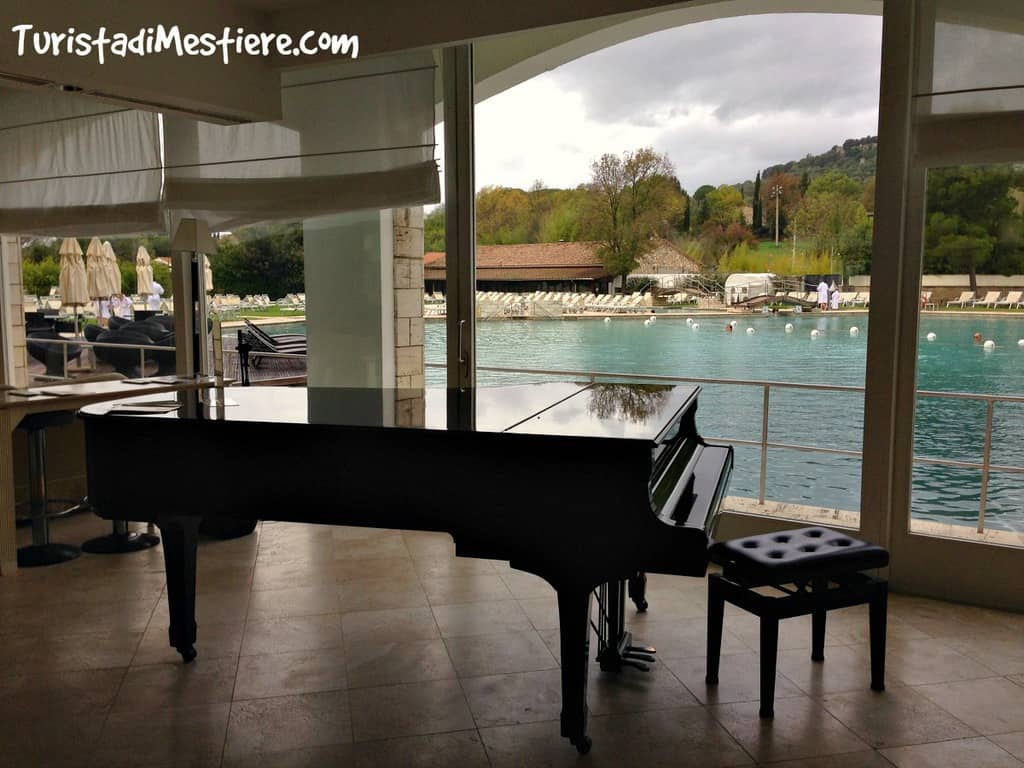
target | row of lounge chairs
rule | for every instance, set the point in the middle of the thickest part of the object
(991, 300)
(846, 298)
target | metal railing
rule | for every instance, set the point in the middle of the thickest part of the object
(764, 444)
(83, 344)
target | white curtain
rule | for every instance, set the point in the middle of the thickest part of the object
(354, 135)
(71, 165)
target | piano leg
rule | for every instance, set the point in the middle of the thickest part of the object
(181, 539)
(574, 620)
(638, 590)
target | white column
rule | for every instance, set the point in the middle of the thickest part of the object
(13, 357)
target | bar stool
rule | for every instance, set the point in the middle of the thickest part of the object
(814, 570)
(42, 551)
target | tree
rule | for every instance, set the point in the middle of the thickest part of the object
(260, 259)
(632, 197)
(836, 182)
(699, 215)
(757, 225)
(724, 205)
(433, 230)
(503, 215)
(973, 221)
(831, 213)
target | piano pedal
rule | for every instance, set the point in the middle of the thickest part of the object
(641, 649)
(636, 664)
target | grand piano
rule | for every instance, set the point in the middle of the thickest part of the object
(580, 484)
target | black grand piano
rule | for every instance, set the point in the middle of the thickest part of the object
(580, 484)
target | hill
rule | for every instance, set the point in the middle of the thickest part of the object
(854, 157)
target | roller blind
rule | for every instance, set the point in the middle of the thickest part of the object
(71, 165)
(353, 135)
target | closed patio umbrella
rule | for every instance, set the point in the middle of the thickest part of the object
(207, 274)
(144, 271)
(113, 272)
(73, 283)
(95, 271)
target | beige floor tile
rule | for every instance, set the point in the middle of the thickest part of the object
(447, 567)
(800, 728)
(475, 588)
(634, 690)
(543, 611)
(386, 663)
(849, 760)
(966, 753)
(666, 604)
(46, 694)
(738, 679)
(296, 633)
(392, 625)
(54, 653)
(294, 574)
(669, 738)
(339, 755)
(524, 585)
(1011, 742)
(358, 533)
(300, 601)
(845, 668)
(522, 697)
(993, 705)
(203, 682)
(918, 662)
(1003, 653)
(894, 718)
(223, 577)
(378, 594)
(211, 608)
(284, 674)
(286, 723)
(679, 639)
(850, 626)
(461, 749)
(429, 545)
(384, 546)
(212, 642)
(79, 618)
(360, 569)
(410, 709)
(481, 618)
(163, 737)
(57, 741)
(793, 633)
(478, 655)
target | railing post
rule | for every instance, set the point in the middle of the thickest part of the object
(64, 353)
(142, 362)
(764, 443)
(986, 456)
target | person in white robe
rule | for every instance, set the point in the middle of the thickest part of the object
(822, 295)
(153, 302)
(834, 302)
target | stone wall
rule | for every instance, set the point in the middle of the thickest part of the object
(15, 359)
(408, 288)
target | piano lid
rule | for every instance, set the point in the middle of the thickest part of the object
(635, 411)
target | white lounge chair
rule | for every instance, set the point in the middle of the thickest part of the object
(965, 297)
(1013, 299)
(990, 298)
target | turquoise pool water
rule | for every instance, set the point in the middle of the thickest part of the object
(952, 429)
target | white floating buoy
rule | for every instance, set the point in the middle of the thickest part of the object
(653, 318)
(989, 344)
(789, 327)
(734, 323)
(695, 326)
(689, 321)
(1020, 342)
(855, 331)
(647, 322)
(815, 333)
(607, 319)
(930, 337)
(750, 330)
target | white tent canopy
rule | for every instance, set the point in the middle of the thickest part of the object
(354, 135)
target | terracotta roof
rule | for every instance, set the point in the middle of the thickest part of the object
(529, 261)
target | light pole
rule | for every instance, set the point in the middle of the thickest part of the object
(776, 192)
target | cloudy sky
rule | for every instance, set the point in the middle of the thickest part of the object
(723, 98)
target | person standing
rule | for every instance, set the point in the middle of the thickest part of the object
(834, 301)
(153, 302)
(822, 295)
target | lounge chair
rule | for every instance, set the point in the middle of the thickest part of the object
(926, 300)
(990, 299)
(965, 297)
(278, 344)
(1013, 299)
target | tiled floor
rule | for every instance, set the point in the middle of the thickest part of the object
(338, 646)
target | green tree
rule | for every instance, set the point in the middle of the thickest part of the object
(260, 259)
(433, 230)
(38, 277)
(757, 225)
(724, 205)
(632, 198)
(697, 202)
(503, 215)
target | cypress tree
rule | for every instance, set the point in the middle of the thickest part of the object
(756, 223)
(805, 182)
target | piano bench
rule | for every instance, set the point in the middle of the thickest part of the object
(815, 569)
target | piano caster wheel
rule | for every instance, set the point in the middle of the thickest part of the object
(582, 744)
(641, 606)
(188, 653)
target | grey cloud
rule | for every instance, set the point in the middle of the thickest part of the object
(754, 65)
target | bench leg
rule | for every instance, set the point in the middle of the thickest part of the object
(769, 654)
(716, 616)
(877, 612)
(818, 636)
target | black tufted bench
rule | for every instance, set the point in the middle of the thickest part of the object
(816, 569)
